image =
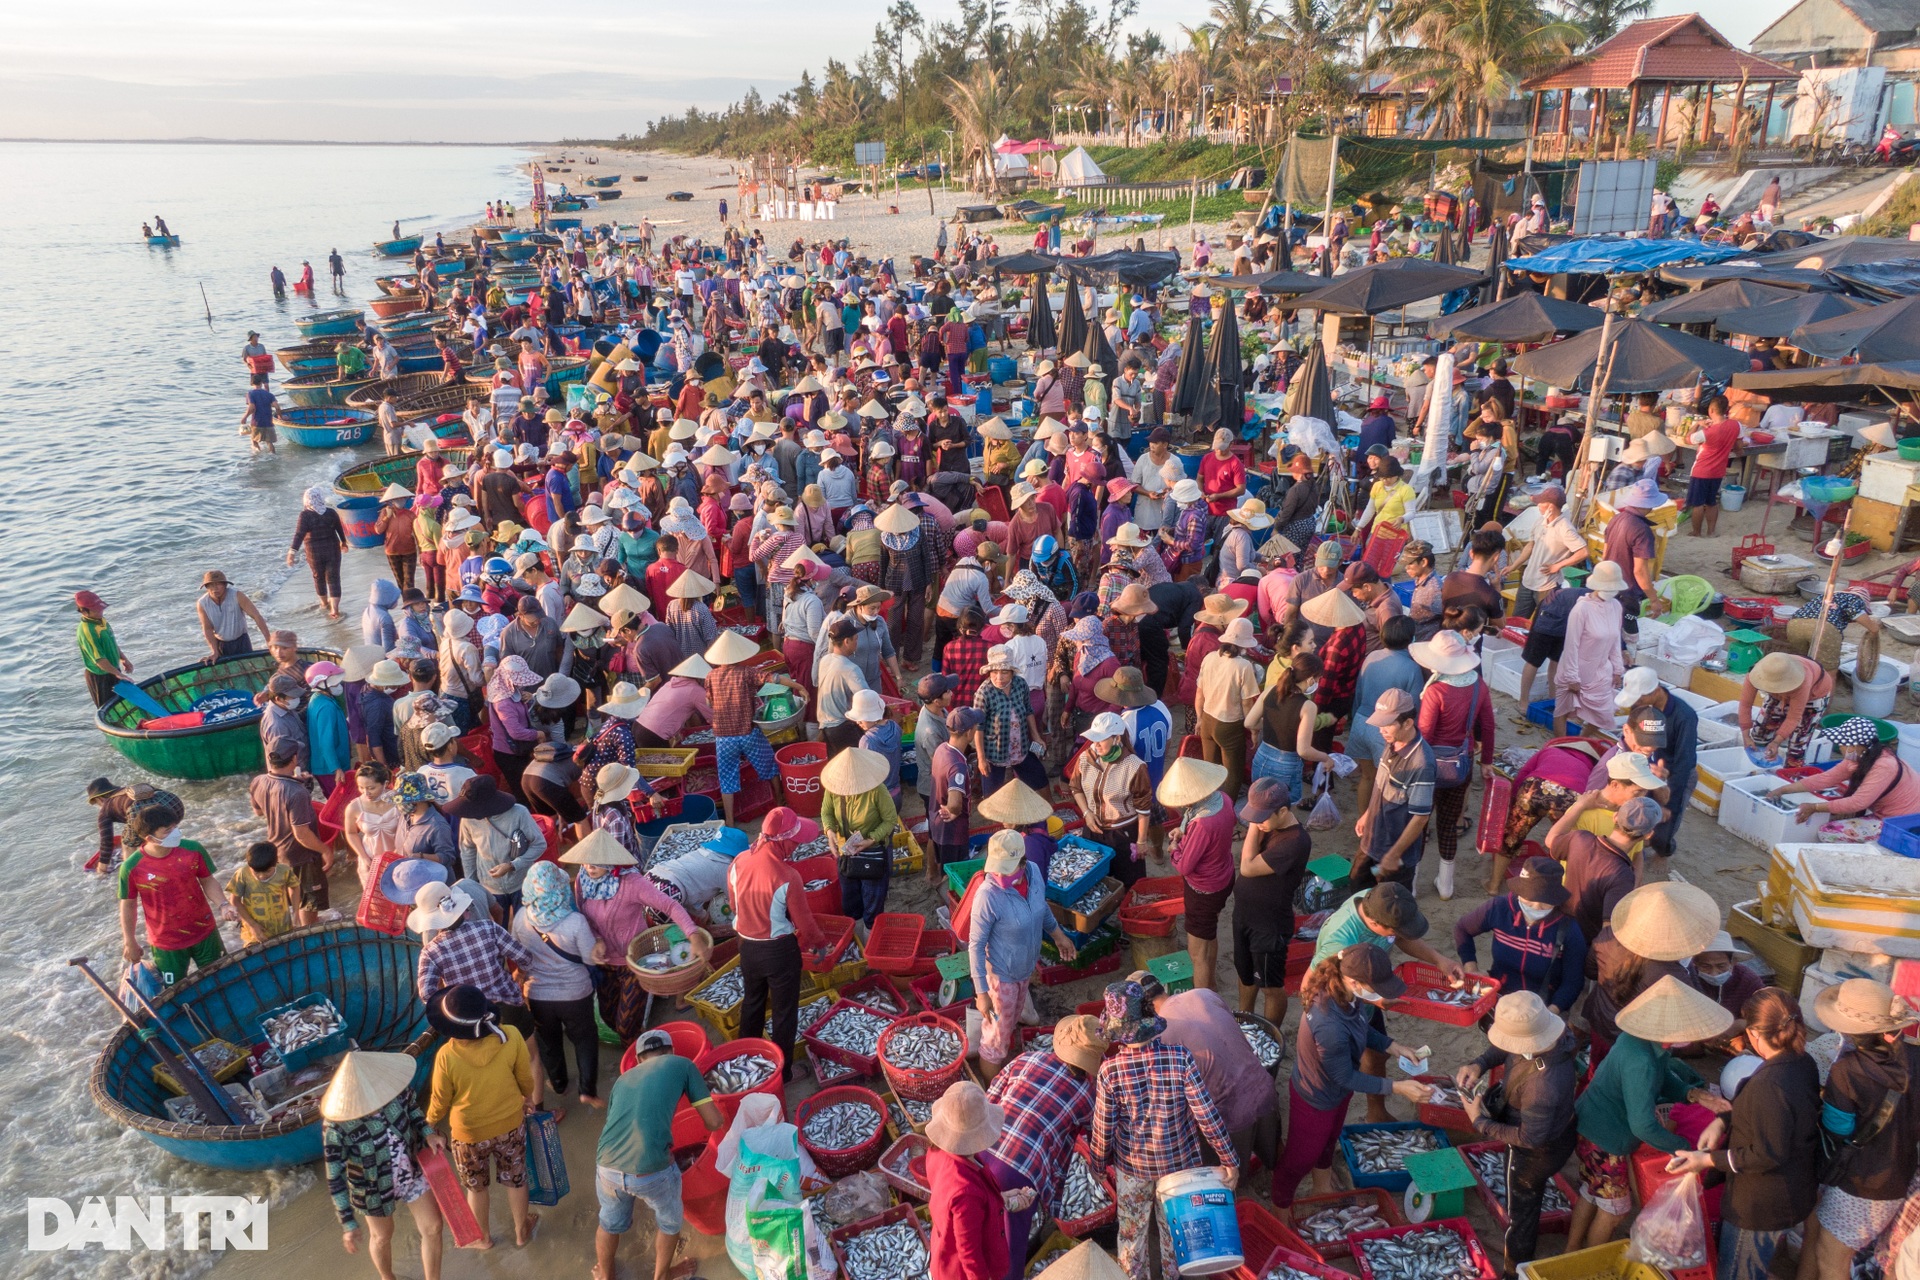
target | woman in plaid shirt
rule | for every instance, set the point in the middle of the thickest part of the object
(1185, 539)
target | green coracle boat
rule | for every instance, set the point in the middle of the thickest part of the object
(202, 751)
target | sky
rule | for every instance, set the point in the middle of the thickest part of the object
(482, 71)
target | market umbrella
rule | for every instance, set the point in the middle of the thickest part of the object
(1444, 252)
(1385, 286)
(1640, 357)
(1833, 382)
(1099, 351)
(1707, 305)
(1285, 262)
(1222, 399)
(1780, 318)
(1310, 391)
(1524, 317)
(1496, 257)
(1275, 284)
(1843, 251)
(1880, 281)
(1073, 319)
(1746, 269)
(1186, 385)
(1017, 264)
(1890, 331)
(1041, 334)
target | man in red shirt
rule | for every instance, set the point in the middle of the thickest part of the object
(1716, 441)
(775, 925)
(662, 572)
(1223, 477)
(953, 340)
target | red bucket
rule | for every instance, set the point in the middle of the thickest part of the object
(801, 764)
(774, 1087)
(689, 1041)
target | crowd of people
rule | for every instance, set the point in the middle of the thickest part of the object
(825, 525)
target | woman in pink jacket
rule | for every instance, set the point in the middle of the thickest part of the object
(1591, 663)
(619, 902)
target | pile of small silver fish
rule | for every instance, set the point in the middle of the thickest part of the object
(724, 992)
(855, 1030)
(853, 952)
(1284, 1272)
(923, 1048)
(1264, 1046)
(1070, 862)
(1386, 1150)
(737, 1075)
(841, 1125)
(898, 1116)
(1458, 997)
(1781, 806)
(297, 1028)
(814, 848)
(1081, 1193)
(1433, 1254)
(186, 1111)
(698, 738)
(832, 1072)
(1330, 1226)
(811, 885)
(1492, 1168)
(658, 962)
(878, 997)
(1095, 898)
(813, 1010)
(920, 1112)
(678, 841)
(1042, 1041)
(893, 1252)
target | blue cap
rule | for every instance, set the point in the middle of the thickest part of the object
(730, 841)
(471, 592)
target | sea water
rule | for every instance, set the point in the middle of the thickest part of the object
(119, 402)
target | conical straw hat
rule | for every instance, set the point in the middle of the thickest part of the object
(1087, 1261)
(1017, 805)
(690, 586)
(584, 618)
(624, 599)
(730, 648)
(601, 848)
(1671, 1012)
(365, 1082)
(1189, 781)
(1334, 609)
(1667, 920)
(854, 772)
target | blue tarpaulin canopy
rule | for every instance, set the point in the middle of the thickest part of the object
(1606, 255)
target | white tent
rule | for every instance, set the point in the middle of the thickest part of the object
(1077, 169)
(1010, 166)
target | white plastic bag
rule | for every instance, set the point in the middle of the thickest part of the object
(1671, 1232)
(1344, 765)
(1690, 640)
(1325, 815)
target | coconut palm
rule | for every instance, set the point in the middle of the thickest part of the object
(1192, 69)
(979, 110)
(1475, 52)
(1311, 39)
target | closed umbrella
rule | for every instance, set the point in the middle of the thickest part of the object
(1186, 386)
(1099, 351)
(1073, 318)
(1641, 357)
(1385, 286)
(1222, 401)
(1496, 258)
(1444, 252)
(1041, 334)
(1285, 262)
(1310, 391)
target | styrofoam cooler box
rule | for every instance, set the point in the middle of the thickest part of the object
(1700, 703)
(1672, 674)
(1746, 813)
(1502, 664)
(1720, 725)
(1718, 766)
(1814, 980)
(1857, 902)
(1844, 964)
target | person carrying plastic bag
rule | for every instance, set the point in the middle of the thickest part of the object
(770, 1235)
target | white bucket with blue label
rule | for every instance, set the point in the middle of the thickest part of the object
(1198, 1206)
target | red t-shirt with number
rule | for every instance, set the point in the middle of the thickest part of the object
(168, 889)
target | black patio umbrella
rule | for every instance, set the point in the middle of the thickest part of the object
(1747, 269)
(1640, 357)
(1707, 305)
(1099, 351)
(1385, 286)
(1843, 251)
(1222, 398)
(1888, 332)
(1017, 264)
(1073, 319)
(1444, 251)
(1274, 284)
(1041, 333)
(1525, 317)
(1186, 385)
(1285, 260)
(1780, 318)
(1879, 281)
(1310, 390)
(1834, 382)
(1496, 258)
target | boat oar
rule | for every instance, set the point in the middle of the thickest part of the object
(213, 1101)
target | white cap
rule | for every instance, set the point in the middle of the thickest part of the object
(1105, 725)
(1635, 685)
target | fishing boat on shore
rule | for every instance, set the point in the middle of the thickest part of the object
(604, 180)
(325, 428)
(322, 390)
(164, 242)
(399, 304)
(307, 352)
(397, 248)
(341, 321)
(515, 250)
(609, 195)
(365, 478)
(197, 721)
(367, 976)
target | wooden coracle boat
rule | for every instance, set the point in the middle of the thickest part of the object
(399, 304)
(370, 395)
(322, 390)
(397, 248)
(402, 468)
(343, 321)
(604, 180)
(367, 976)
(325, 428)
(197, 750)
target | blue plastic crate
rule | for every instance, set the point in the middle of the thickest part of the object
(298, 1059)
(1397, 1182)
(1403, 591)
(1072, 893)
(1541, 713)
(1901, 835)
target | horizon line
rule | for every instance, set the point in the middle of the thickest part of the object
(294, 142)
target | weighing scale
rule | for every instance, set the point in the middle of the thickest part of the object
(1744, 651)
(1439, 1187)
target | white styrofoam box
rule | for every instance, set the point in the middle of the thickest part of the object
(1504, 670)
(1844, 964)
(1852, 424)
(1886, 478)
(1672, 674)
(1814, 980)
(1720, 725)
(1887, 929)
(1698, 701)
(1909, 744)
(1718, 766)
(1746, 813)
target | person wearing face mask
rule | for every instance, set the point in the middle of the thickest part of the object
(1113, 790)
(168, 882)
(282, 727)
(1653, 933)
(1007, 921)
(1725, 981)
(1337, 1035)
(1534, 1115)
(1535, 945)
(1875, 782)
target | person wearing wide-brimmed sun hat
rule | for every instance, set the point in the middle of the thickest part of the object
(860, 819)
(1792, 693)
(1224, 694)
(1150, 1111)
(1869, 1116)
(1008, 920)
(1874, 782)
(1216, 613)
(1533, 1118)
(969, 1240)
(1456, 708)
(1774, 1152)
(736, 738)
(1047, 1095)
(509, 691)
(372, 1131)
(484, 1084)
(1591, 666)
(1200, 846)
(619, 901)
(1343, 651)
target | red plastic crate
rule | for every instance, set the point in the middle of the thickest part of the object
(837, 1239)
(1285, 1257)
(894, 941)
(1549, 1222)
(1495, 802)
(1306, 1206)
(903, 1165)
(1421, 976)
(1053, 975)
(1751, 608)
(1262, 1231)
(926, 990)
(1169, 892)
(1751, 545)
(839, 931)
(865, 989)
(1483, 1267)
(865, 1064)
(825, 867)
(934, 943)
(1871, 590)
(1078, 1228)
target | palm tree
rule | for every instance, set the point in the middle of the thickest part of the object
(1241, 32)
(1475, 52)
(1192, 69)
(1601, 20)
(1312, 38)
(979, 108)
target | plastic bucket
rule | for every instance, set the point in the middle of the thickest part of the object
(1190, 459)
(1137, 442)
(1875, 697)
(357, 516)
(983, 402)
(689, 1041)
(800, 765)
(1002, 369)
(1732, 496)
(1199, 1213)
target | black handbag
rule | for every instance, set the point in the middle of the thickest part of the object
(873, 863)
(1453, 766)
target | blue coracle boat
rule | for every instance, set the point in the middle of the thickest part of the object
(164, 242)
(368, 976)
(397, 248)
(325, 428)
(323, 324)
